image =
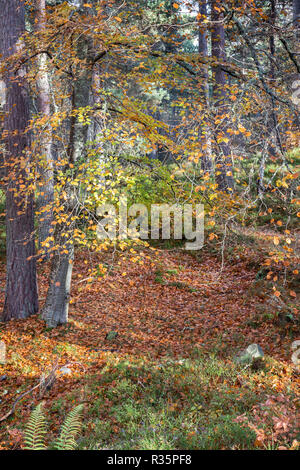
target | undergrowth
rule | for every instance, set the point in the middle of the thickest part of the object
(195, 403)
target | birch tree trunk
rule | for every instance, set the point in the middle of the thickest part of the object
(21, 297)
(45, 169)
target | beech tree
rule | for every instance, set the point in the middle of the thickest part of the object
(154, 75)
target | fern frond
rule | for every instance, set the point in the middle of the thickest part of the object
(70, 430)
(35, 430)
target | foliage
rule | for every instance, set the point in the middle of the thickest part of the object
(36, 430)
(166, 353)
(178, 404)
(70, 430)
(159, 102)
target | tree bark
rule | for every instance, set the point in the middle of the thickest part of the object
(55, 310)
(21, 297)
(203, 51)
(45, 167)
(276, 145)
(296, 18)
(80, 99)
(223, 170)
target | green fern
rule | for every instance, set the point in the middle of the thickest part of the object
(70, 430)
(36, 430)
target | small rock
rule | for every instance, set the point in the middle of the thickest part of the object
(249, 355)
(254, 350)
(65, 371)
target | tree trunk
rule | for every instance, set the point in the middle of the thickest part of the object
(223, 170)
(45, 169)
(80, 99)
(203, 51)
(275, 145)
(55, 310)
(21, 297)
(296, 18)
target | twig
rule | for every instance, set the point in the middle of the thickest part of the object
(17, 400)
(43, 380)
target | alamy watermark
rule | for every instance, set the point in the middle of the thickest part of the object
(186, 221)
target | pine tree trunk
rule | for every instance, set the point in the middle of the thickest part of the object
(21, 297)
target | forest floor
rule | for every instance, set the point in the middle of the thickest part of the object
(150, 351)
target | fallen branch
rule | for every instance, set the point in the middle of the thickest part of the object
(48, 380)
